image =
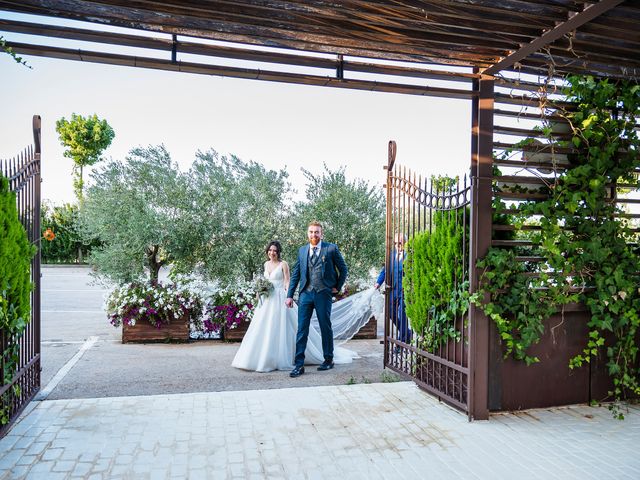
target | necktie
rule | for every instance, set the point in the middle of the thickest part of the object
(314, 256)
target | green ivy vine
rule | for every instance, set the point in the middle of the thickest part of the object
(9, 51)
(589, 253)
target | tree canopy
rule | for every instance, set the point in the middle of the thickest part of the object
(352, 214)
(217, 218)
(141, 212)
(85, 138)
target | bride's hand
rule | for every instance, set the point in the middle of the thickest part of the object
(289, 302)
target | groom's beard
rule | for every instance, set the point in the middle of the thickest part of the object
(314, 241)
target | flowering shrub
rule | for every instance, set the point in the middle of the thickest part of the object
(230, 306)
(49, 235)
(211, 308)
(155, 303)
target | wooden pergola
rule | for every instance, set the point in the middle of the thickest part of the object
(466, 49)
(347, 39)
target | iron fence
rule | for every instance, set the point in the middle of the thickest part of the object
(437, 357)
(23, 173)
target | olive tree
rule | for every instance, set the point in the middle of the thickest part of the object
(352, 214)
(141, 211)
(241, 206)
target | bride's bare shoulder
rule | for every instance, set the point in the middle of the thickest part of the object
(285, 265)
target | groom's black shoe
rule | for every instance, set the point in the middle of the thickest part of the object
(325, 366)
(296, 372)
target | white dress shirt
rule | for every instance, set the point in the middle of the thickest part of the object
(311, 247)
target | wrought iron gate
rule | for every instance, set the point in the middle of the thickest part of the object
(413, 206)
(23, 173)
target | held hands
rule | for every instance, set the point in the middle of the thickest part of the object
(376, 286)
(334, 291)
(289, 302)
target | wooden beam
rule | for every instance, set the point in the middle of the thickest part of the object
(236, 52)
(257, 32)
(589, 13)
(237, 72)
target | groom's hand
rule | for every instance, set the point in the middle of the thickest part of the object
(289, 302)
(334, 290)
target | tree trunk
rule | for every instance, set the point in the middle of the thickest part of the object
(154, 264)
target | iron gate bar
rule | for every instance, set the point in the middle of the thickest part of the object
(412, 207)
(23, 173)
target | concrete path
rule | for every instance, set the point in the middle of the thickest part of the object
(373, 431)
(113, 411)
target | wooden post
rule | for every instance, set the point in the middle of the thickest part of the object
(481, 220)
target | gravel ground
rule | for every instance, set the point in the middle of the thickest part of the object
(72, 313)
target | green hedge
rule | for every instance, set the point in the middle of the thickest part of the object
(67, 246)
(15, 288)
(435, 288)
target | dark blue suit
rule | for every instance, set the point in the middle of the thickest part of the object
(333, 275)
(397, 314)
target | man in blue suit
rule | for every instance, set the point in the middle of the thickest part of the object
(320, 271)
(396, 264)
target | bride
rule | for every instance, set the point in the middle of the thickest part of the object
(270, 341)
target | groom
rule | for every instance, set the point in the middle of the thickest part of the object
(321, 272)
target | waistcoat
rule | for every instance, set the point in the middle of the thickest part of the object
(315, 275)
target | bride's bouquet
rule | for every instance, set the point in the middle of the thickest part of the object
(262, 286)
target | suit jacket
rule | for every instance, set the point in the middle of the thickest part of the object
(334, 268)
(397, 266)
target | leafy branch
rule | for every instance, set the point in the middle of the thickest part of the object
(9, 51)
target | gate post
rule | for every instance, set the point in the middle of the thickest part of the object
(36, 276)
(481, 227)
(391, 160)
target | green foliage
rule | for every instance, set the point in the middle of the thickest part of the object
(15, 286)
(584, 243)
(217, 218)
(352, 215)
(435, 288)
(389, 377)
(63, 221)
(141, 212)
(85, 139)
(239, 207)
(9, 51)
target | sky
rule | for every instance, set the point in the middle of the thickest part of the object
(278, 125)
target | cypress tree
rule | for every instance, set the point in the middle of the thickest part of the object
(15, 263)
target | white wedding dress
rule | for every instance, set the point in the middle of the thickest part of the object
(270, 341)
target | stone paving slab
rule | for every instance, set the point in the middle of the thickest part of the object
(364, 431)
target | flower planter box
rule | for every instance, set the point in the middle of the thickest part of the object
(141, 332)
(235, 334)
(368, 331)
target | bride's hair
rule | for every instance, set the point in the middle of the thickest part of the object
(274, 243)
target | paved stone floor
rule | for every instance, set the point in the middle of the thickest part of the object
(363, 431)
